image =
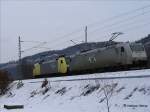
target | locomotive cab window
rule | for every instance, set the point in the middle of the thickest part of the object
(122, 49)
(61, 61)
(137, 47)
(70, 59)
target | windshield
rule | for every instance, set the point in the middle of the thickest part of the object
(137, 47)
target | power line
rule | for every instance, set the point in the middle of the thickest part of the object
(37, 46)
(120, 22)
(109, 19)
(137, 27)
(79, 30)
(132, 28)
(33, 41)
(66, 35)
(125, 30)
(120, 15)
(34, 47)
(56, 43)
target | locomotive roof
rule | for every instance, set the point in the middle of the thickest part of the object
(98, 49)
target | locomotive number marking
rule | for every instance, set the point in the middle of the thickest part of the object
(92, 59)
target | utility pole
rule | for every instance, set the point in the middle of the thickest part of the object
(86, 34)
(19, 68)
(19, 48)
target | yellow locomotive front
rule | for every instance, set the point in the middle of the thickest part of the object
(58, 66)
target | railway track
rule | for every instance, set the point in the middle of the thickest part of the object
(98, 78)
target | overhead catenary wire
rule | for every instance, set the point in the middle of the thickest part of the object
(137, 26)
(67, 36)
(121, 27)
(37, 46)
(120, 22)
(118, 16)
(126, 30)
(31, 41)
(97, 23)
(116, 23)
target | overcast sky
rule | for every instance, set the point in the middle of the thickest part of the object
(59, 22)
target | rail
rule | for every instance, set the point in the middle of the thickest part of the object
(98, 78)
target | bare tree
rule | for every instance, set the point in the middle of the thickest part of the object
(107, 97)
(46, 86)
(108, 90)
(5, 80)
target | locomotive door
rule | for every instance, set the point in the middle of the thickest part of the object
(62, 65)
(37, 69)
(122, 55)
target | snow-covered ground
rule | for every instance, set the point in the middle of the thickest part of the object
(123, 95)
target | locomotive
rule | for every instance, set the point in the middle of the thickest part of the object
(123, 54)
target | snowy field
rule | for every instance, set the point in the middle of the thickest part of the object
(121, 95)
